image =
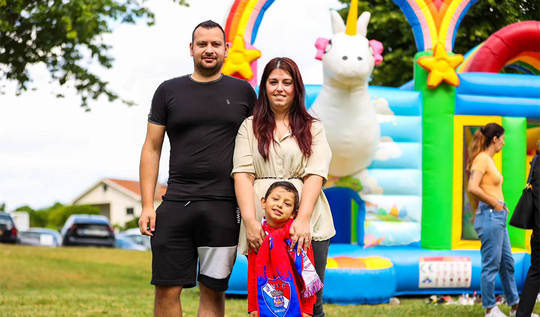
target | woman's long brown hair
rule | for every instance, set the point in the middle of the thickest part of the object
(300, 120)
(482, 139)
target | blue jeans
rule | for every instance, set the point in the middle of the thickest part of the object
(490, 225)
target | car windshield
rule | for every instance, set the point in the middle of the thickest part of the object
(5, 220)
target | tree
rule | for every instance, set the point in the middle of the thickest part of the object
(65, 36)
(389, 25)
(58, 216)
(40, 217)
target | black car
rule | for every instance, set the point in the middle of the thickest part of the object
(8, 231)
(88, 230)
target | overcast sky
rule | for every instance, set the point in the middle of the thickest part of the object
(52, 150)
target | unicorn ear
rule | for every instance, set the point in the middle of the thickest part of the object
(338, 26)
(363, 22)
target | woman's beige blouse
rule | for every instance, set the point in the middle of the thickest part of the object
(285, 162)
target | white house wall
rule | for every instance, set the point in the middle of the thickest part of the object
(117, 200)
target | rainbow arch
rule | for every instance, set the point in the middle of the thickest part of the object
(526, 62)
(516, 45)
(245, 17)
(241, 27)
(435, 21)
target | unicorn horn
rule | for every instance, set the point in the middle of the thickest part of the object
(352, 18)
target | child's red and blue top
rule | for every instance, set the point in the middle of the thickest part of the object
(280, 282)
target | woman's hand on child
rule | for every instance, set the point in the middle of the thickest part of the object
(255, 235)
(300, 233)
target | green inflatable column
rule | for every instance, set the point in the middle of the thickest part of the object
(514, 157)
(437, 159)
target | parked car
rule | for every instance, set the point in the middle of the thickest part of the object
(135, 235)
(8, 230)
(123, 242)
(40, 237)
(88, 230)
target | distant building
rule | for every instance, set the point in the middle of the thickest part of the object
(119, 200)
(21, 219)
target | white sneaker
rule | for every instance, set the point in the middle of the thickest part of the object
(495, 312)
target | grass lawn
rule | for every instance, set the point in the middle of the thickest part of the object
(108, 282)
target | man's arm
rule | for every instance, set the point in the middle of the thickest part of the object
(148, 173)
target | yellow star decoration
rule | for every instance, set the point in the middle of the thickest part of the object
(441, 66)
(239, 59)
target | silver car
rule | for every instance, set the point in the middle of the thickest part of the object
(135, 235)
(40, 237)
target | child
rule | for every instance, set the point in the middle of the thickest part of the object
(281, 282)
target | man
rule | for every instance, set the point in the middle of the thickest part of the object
(199, 218)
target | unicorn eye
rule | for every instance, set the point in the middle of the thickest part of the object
(328, 47)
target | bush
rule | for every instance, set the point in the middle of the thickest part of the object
(134, 223)
(40, 217)
(58, 217)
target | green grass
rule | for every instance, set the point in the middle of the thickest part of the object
(107, 282)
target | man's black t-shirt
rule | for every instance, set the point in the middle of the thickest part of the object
(201, 120)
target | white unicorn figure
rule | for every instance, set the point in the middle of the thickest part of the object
(343, 105)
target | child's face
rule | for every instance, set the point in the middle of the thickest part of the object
(279, 207)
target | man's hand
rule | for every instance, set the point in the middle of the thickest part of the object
(300, 233)
(147, 222)
(255, 235)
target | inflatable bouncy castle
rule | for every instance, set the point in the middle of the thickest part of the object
(397, 188)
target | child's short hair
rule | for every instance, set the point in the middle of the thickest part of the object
(288, 186)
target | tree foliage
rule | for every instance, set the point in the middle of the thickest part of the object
(66, 36)
(389, 26)
(133, 223)
(40, 217)
(58, 216)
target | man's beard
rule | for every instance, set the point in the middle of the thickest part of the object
(208, 72)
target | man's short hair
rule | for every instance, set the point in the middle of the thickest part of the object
(208, 25)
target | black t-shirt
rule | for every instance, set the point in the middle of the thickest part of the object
(201, 120)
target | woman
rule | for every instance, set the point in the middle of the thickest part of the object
(532, 282)
(485, 183)
(281, 141)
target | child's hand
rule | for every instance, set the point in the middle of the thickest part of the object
(256, 314)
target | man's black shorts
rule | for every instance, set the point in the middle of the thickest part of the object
(187, 231)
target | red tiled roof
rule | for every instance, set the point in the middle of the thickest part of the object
(135, 187)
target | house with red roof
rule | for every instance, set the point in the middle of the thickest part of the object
(118, 199)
